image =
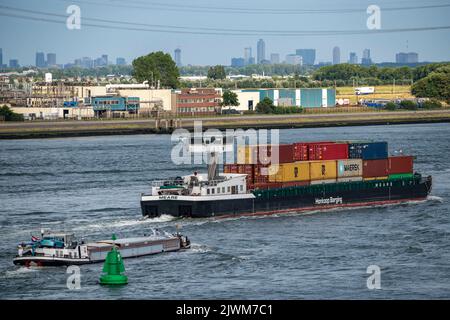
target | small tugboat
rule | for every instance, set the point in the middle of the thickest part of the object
(53, 249)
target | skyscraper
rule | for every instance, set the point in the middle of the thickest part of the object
(261, 51)
(105, 59)
(294, 59)
(51, 59)
(366, 59)
(308, 55)
(1, 57)
(177, 57)
(410, 57)
(275, 58)
(40, 60)
(353, 58)
(336, 55)
(120, 61)
(237, 62)
(14, 63)
(248, 55)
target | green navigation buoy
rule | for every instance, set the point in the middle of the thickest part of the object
(113, 268)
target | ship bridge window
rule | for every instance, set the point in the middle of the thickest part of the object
(213, 190)
(241, 187)
(218, 190)
(228, 189)
(207, 191)
(223, 189)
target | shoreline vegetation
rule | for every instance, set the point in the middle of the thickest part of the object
(74, 128)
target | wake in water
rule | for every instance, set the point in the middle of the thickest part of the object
(20, 272)
(435, 198)
(125, 223)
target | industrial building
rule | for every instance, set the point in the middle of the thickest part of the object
(110, 105)
(195, 101)
(306, 97)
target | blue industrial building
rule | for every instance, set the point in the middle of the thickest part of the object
(305, 97)
(115, 103)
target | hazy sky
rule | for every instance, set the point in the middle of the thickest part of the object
(21, 38)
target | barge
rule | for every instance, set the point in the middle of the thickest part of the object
(307, 177)
(54, 249)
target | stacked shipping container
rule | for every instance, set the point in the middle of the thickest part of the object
(318, 162)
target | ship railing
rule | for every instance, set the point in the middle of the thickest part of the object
(161, 183)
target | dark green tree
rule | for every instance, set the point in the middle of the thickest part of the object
(432, 104)
(265, 106)
(7, 114)
(229, 98)
(408, 105)
(435, 85)
(390, 106)
(156, 66)
(217, 72)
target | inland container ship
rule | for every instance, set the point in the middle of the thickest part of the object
(307, 176)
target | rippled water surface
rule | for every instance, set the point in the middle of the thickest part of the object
(92, 186)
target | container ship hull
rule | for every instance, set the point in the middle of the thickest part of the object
(292, 199)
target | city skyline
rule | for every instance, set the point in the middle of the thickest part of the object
(209, 49)
(297, 56)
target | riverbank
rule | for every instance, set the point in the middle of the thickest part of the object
(56, 129)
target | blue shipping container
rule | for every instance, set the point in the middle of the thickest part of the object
(368, 151)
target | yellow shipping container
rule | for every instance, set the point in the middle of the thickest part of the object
(323, 170)
(376, 178)
(286, 172)
(246, 155)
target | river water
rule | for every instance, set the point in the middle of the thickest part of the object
(91, 186)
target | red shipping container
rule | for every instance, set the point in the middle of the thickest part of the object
(300, 151)
(285, 153)
(230, 168)
(401, 164)
(375, 168)
(333, 151)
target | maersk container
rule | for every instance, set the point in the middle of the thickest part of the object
(368, 151)
(375, 168)
(323, 170)
(401, 164)
(349, 168)
(327, 151)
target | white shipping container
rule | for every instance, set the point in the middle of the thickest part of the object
(349, 168)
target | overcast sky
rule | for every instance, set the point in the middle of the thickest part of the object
(21, 38)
